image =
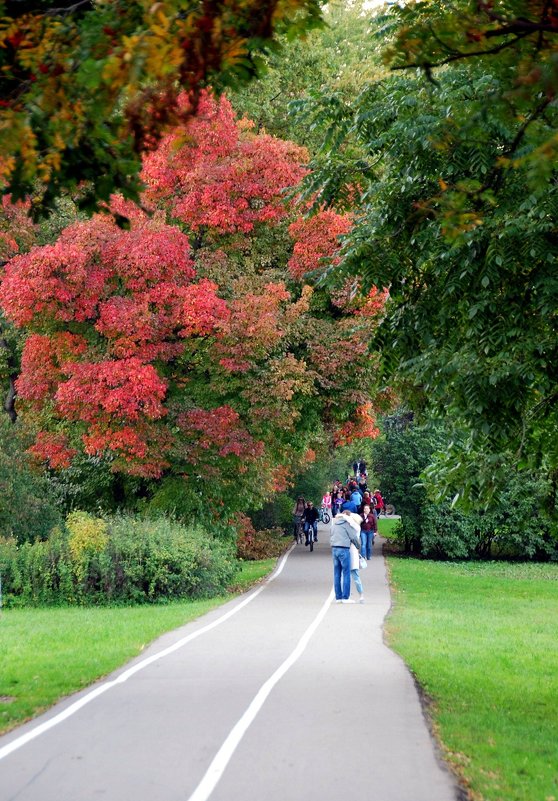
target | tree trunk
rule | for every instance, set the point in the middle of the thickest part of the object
(13, 368)
(9, 403)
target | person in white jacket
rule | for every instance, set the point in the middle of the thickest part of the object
(355, 575)
(356, 521)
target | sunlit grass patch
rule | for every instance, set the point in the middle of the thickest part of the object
(481, 639)
(387, 526)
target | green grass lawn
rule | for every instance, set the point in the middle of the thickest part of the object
(482, 640)
(386, 526)
(48, 653)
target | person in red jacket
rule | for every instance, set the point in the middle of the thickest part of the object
(379, 502)
(366, 501)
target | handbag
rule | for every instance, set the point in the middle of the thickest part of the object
(362, 563)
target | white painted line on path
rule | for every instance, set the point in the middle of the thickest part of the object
(19, 742)
(225, 753)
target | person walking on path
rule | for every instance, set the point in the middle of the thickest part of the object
(348, 504)
(356, 496)
(298, 511)
(356, 522)
(337, 503)
(343, 532)
(368, 531)
(366, 501)
(355, 575)
(379, 502)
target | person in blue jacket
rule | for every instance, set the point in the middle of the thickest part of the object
(350, 505)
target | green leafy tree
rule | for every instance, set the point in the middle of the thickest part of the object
(341, 56)
(452, 218)
(515, 526)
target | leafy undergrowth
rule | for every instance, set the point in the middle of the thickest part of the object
(47, 653)
(481, 640)
(258, 545)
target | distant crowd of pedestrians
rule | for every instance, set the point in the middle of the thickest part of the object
(354, 510)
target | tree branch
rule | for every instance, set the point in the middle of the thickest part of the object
(53, 12)
(498, 172)
(428, 66)
(521, 27)
(18, 8)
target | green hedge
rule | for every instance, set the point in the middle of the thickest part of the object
(118, 559)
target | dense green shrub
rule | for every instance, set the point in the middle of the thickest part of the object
(398, 458)
(155, 558)
(28, 503)
(446, 533)
(510, 529)
(117, 559)
(38, 573)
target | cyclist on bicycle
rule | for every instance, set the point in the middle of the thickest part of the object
(310, 520)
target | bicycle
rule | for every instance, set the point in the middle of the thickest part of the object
(324, 515)
(311, 534)
(297, 529)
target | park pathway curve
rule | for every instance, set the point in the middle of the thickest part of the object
(280, 695)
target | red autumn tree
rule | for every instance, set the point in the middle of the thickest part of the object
(190, 346)
(108, 309)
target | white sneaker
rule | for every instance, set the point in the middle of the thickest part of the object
(347, 601)
(361, 599)
(338, 601)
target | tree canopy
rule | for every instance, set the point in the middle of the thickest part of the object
(86, 87)
(451, 178)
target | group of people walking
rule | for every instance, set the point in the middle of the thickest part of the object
(355, 510)
(354, 495)
(355, 523)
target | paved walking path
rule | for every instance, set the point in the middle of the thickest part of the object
(289, 697)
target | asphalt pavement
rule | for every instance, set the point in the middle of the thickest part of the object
(279, 695)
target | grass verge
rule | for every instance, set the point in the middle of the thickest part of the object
(481, 640)
(386, 526)
(48, 653)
